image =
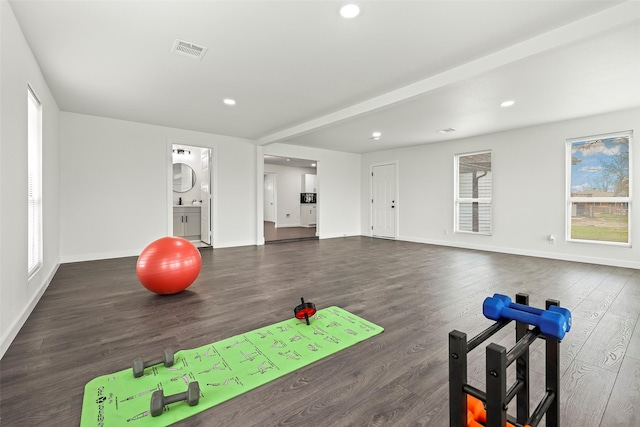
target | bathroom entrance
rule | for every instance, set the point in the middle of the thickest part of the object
(191, 194)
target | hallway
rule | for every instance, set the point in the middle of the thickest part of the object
(287, 234)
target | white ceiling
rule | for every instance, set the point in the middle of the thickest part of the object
(303, 75)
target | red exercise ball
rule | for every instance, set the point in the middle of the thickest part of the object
(169, 265)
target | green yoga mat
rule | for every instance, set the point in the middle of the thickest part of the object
(224, 369)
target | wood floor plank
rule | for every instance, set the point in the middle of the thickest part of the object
(626, 306)
(95, 318)
(632, 288)
(595, 305)
(588, 283)
(634, 344)
(607, 345)
(273, 234)
(585, 390)
(432, 411)
(623, 408)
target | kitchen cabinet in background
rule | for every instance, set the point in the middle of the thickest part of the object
(308, 215)
(309, 184)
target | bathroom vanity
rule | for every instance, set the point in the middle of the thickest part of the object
(186, 221)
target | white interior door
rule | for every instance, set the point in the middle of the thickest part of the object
(269, 198)
(205, 193)
(383, 183)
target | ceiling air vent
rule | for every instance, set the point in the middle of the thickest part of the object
(190, 50)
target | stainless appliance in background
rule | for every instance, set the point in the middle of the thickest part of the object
(308, 198)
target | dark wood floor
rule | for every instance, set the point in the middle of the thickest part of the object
(95, 318)
(287, 234)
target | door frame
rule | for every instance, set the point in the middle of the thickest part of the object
(396, 166)
(208, 160)
(213, 183)
(274, 177)
(260, 153)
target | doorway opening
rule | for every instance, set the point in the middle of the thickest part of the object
(191, 194)
(290, 199)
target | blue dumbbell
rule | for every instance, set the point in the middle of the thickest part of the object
(534, 310)
(550, 323)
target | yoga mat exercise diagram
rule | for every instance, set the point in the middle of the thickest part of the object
(191, 381)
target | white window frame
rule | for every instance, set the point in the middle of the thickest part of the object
(34, 182)
(582, 199)
(462, 200)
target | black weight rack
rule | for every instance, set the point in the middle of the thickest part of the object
(497, 396)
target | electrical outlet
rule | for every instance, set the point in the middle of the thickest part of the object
(551, 239)
(445, 231)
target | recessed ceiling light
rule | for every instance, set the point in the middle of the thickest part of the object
(229, 101)
(447, 130)
(376, 135)
(507, 103)
(350, 11)
(313, 165)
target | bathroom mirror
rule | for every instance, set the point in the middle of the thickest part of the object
(184, 178)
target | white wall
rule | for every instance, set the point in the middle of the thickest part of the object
(528, 191)
(338, 187)
(18, 294)
(99, 220)
(114, 186)
(288, 189)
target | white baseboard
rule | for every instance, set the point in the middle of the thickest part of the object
(336, 235)
(236, 244)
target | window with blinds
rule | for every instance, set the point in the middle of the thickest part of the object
(34, 180)
(473, 187)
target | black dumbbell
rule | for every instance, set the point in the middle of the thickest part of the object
(139, 365)
(158, 399)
